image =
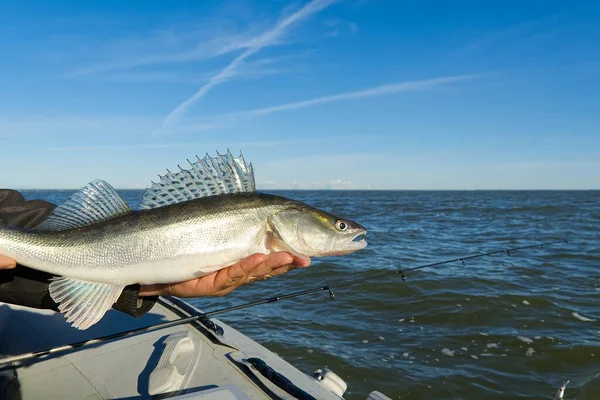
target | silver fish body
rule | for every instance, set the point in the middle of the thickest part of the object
(189, 224)
(163, 245)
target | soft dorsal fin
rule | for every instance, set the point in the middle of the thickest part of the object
(207, 177)
(98, 201)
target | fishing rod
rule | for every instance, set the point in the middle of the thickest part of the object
(375, 274)
(204, 317)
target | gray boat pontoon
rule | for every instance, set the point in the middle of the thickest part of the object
(197, 360)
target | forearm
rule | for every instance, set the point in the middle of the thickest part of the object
(27, 287)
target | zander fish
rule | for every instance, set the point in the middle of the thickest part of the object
(190, 224)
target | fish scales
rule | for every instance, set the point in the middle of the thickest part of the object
(188, 234)
(190, 224)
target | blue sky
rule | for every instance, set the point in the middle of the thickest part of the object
(323, 94)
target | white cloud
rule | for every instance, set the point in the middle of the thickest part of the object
(383, 90)
(255, 69)
(268, 38)
(164, 49)
(340, 184)
(64, 127)
(334, 184)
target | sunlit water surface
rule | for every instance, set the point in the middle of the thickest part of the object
(501, 327)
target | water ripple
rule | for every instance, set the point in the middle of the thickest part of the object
(498, 328)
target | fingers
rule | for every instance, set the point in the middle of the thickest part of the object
(256, 267)
(6, 263)
(280, 271)
(272, 262)
(301, 262)
(276, 264)
(238, 273)
(154, 290)
(243, 267)
(252, 268)
(224, 281)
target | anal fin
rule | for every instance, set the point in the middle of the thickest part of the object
(83, 303)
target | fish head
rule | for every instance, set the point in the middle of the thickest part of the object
(312, 232)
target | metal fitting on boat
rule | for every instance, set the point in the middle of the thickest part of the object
(331, 381)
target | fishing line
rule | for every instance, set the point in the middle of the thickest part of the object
(204, 317)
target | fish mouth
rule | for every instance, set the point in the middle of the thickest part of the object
(346, 246)
(358, 241)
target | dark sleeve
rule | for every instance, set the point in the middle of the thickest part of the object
(29, 287)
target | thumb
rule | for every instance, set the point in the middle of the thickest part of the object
(6, 262)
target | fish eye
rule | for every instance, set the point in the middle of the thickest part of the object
(341, 225)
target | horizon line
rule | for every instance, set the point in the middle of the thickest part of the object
(350, 190)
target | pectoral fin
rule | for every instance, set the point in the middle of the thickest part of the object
(83, 303)
(274, 243)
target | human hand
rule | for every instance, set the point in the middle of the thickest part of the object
(224, 281)
(6, 263)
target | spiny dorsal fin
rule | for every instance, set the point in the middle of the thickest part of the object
(98, 201)
(83, 303)
(207, 177)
